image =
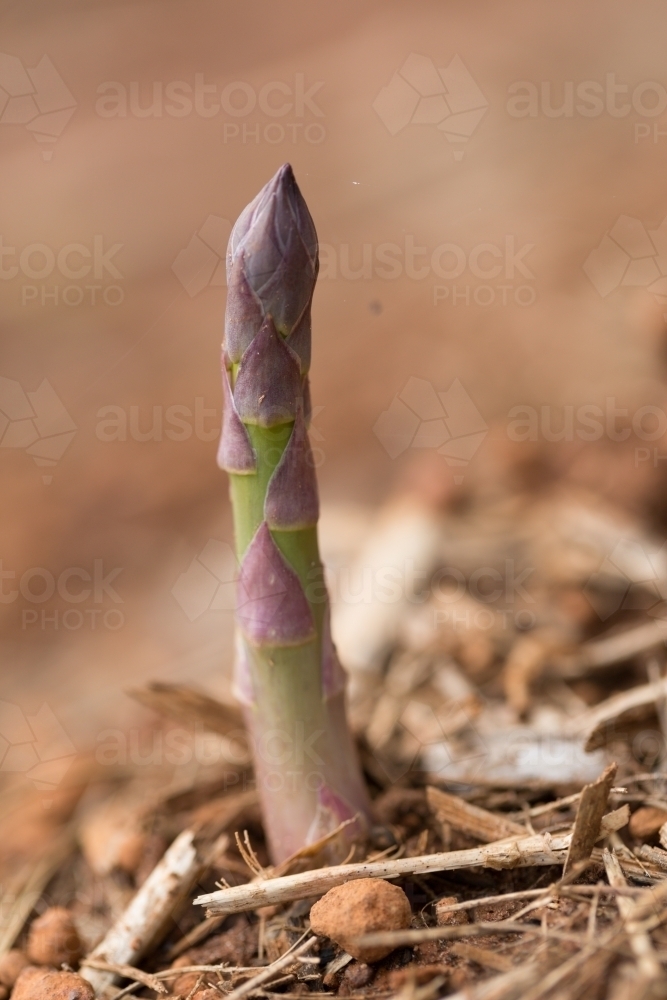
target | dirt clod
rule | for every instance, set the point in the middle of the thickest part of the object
(54, 939)
(360, 907)
(47, 984)
(12, 963)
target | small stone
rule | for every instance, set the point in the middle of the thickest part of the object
(182, 985)
(54, 939)
(361, 906)
(443, 917)
(357, 975)
(12, 963)
(645, 822)
(112, 837)
(46, 984)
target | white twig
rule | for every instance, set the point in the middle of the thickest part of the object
(149, 911)
(640, 942)
(518, 853)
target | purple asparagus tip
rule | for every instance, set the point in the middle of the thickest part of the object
(272, 265)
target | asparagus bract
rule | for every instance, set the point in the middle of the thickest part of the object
(287, 675)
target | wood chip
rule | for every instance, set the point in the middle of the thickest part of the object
(653, 854)
(22, 893)
(592, 805)
(180, 702)
(524, 664)
(608, 720)
(484, 957)
(479, 823)
(613, 649)
(508, 986)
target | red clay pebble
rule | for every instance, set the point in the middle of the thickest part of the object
(46, 984)
(443, 916)
(182, 985)
(54, 939)
(360, 907)
(12, 963)
(646, 822)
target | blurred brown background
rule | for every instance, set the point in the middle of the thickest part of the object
(147, 160)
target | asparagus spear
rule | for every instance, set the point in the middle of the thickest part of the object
(287, 675)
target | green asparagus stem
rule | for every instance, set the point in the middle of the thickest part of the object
(287, 674)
